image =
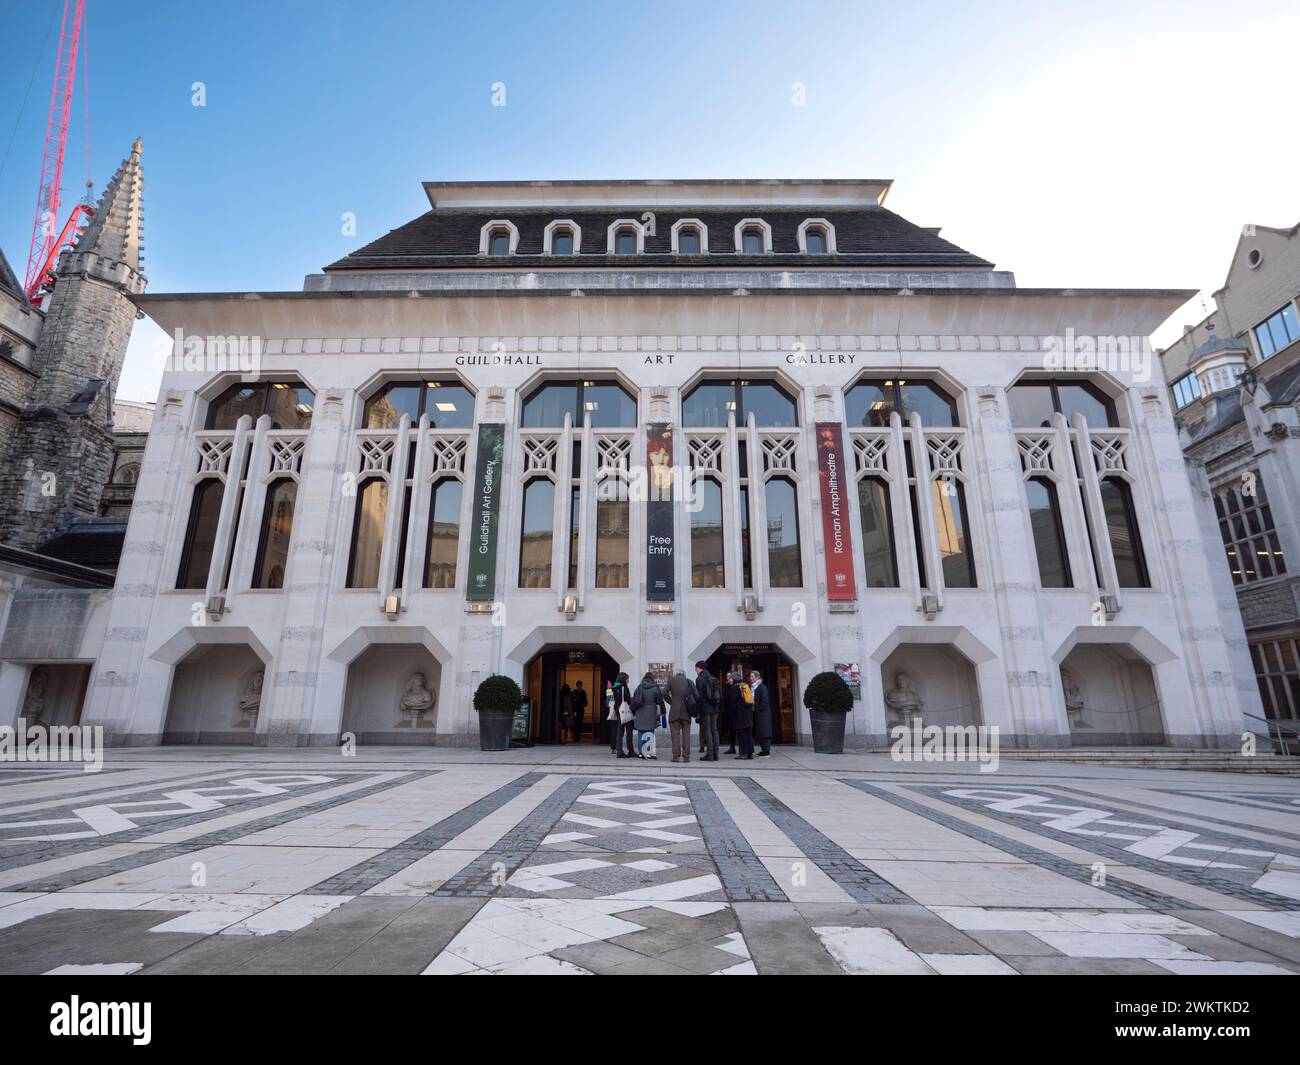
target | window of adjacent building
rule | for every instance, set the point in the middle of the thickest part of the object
(537, 529)
(708, 552)
(368, 533)
(277, 529)
(1125, 540)
(751, 240)
(1277, 331)
(1277, 669)
(443, 544)
(562, 242)
(869, 403)
(200, 534)
(608, 404)
(784, 567)
(688, 242)
(499, 242)
(613, 534)
(708, 404)
(449, 405)
(951, 524)
(1033, 403)
(1186, 389)
(1249, 538)
(879, 558)
(289, 404)
(1049, 533)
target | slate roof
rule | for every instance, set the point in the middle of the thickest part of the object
(864, 237)
(9, 280)
(1283, 386)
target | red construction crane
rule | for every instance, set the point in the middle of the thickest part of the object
(48, 239)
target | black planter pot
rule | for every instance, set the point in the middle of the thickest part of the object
(827, 731)
(494, 728)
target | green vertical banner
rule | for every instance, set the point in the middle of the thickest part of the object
(481, 583)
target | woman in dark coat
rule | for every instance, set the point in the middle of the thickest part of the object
(730, 693)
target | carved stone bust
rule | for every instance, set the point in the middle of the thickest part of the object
(417, 699)
(903, 699)
(250, 700)
(1073, 699)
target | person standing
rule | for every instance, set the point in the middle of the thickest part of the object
(762, 714)
(741, 713)
(730, 693)
(579, 710)
(710, 703)
(624, 740)
(612, 725)
(682, 698)
(647, 703)
(566, 711)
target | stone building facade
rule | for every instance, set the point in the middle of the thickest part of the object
(1234, 379)
(61, 524)
(556, 430)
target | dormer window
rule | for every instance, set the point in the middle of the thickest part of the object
(499, 237)
(753, 237)
(625, 236)
(689, 237)
(816, 237)
(562, 237)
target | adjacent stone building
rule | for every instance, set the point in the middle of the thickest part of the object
(66, 471)
(1234, 378)
(558, 430)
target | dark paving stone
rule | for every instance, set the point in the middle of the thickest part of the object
(1037, 966)
(216, 956)
(1275, 944)
(87, 937)
(598, 957)
(1021, 944)
(412, 939)
(744, 877)
(781, 941)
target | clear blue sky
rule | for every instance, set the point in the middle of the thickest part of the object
(1100, 144)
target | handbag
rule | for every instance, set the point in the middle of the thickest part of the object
(624, 713)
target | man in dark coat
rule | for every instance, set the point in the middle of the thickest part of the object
(710, 704)
(579, 710)
(742, 718)
(762, 714)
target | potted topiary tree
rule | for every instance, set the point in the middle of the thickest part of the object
(496, 700)
(829, 701)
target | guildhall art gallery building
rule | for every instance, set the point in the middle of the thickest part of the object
(559, 430)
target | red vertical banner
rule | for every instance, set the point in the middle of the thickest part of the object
(837, 533)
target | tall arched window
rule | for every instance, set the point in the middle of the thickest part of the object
(449, 405)
(200, 534)
(288, 403)
(1125, 539)
(708, 569)
(537, 529)
(784, 566)
(879, 556)
(606, 401)
(1049, 533)
(277, 530)
(1032, 404)
(707, 405)
(869, 403)
(613, 534)
(368, 534)
(443, 545)
(951, 524)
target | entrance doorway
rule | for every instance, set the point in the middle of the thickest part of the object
(551, 680)
(778, 673)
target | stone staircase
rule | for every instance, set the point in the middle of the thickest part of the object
(1167, 758)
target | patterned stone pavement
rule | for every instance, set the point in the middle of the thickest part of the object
(565, 861)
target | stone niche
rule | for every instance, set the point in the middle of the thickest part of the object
(214, 696)
(1111, 698)
(378, 679)
(942, 681)
(55, 693)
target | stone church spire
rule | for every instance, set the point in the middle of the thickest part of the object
(61, 453)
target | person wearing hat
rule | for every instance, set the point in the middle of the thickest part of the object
(710, 692)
